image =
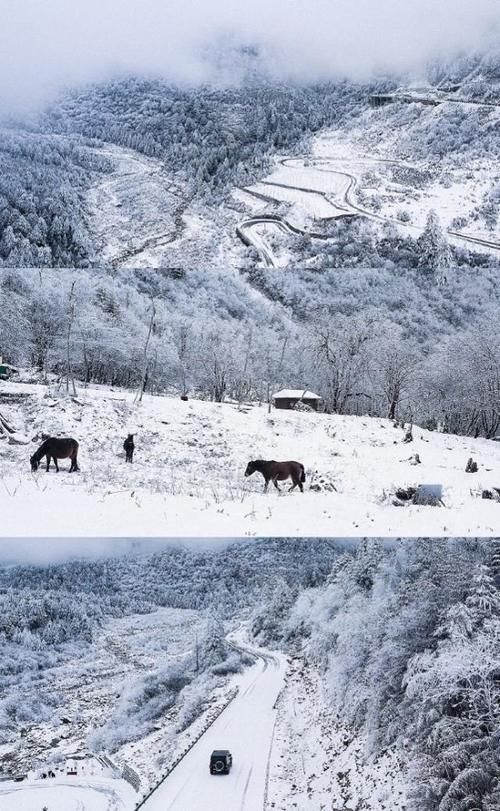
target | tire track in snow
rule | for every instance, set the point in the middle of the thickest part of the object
(246, 728)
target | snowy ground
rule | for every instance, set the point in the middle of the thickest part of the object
(67, 794)
(136, 210)
(453, 190)
(141, 217)
(188, 473)
(317, 765)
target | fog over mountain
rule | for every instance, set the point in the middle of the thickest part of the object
(44, 551)
(47, 46)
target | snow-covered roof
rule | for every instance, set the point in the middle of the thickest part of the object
(299, 394)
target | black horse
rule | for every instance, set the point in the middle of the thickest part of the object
(128, 447)
(278, 472)
(55, 448)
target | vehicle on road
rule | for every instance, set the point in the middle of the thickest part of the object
(221, 761)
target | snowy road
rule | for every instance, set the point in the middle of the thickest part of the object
(250, 232)
(246, 728)
(327, 190)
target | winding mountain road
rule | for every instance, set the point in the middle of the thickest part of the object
(246, 728)
(342, 202)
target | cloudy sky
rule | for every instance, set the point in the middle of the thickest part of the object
(48, 44)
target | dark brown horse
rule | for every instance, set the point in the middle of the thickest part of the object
(278, 472)
(54, 448)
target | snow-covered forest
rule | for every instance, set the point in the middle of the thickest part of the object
(402, 636)
(409, 344)
(215, 139)
(408, 641)
(57, 616)
(207, 144)
(43, 184)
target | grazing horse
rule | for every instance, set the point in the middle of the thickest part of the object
(278, 472)
(54, 448)
(128, 447)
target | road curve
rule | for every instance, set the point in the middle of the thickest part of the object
(245, 728)
(249, 235)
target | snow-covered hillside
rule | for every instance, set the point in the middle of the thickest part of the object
(368, 169)
(316, 763)
(159, 176)
(378, 168)
(187, 478)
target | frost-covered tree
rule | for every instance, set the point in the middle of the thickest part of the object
(433, 247)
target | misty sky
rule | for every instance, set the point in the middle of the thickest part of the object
(49, 44)
(42, 551)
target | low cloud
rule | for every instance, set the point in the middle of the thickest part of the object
(44, 551)
(45, 46)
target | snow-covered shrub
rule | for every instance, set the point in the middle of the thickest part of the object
(140, 705)
(193, 700)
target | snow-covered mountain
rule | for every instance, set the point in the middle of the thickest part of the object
(259, 174)
(360, 674)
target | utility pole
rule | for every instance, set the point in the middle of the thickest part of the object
(197, 652)
(275, 374)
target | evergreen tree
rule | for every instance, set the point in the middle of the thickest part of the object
(433, 247)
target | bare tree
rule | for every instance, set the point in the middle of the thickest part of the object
(394, 370)
(71, 318)
(342, 351)
(145, 356)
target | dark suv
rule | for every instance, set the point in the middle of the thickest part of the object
(221, 761)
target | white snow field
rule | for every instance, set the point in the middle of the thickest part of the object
(67, 794)
(245, 728)
(142, 217)
(188, 480)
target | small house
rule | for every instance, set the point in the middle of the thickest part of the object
(289, 398)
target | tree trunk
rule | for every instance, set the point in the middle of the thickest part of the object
(71, 316)
(145, 362)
